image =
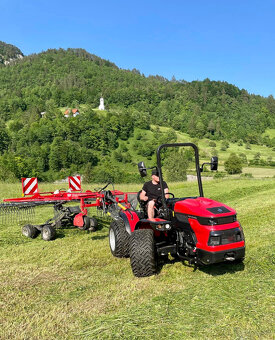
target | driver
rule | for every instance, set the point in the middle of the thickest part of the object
(151, 191)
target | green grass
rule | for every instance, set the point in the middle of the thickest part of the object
(270, 133)
(72, 287)
(256, 172)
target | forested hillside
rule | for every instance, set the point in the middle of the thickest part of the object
(54, 146)
(9, 53)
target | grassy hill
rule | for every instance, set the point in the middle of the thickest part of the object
(54, 147)
(72, 287)
(205, 150)
(270, 133)
(148, 137)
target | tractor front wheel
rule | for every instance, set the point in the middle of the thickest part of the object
(30, 231)
(48, 233)
(143, 253)
(119, 239)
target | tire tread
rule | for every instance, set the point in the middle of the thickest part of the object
(142, 253)
(122, 239)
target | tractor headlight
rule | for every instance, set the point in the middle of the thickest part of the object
(214, 241)
(222, 237)
(163, 227)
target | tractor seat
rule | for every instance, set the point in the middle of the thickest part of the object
(143, 205)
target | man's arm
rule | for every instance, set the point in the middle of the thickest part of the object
(143, 196)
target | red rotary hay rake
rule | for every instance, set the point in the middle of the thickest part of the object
(23, 208)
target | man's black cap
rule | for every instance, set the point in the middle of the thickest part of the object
(155, 172)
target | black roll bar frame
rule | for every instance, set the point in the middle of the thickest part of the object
(159, 167)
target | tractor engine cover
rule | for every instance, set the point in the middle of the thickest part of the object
(203, 207)
(219, 236)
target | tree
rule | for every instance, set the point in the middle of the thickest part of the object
(233, 165)
(4, 139)
(176, 165)
(87, 173)
(243, 158)
(211, 127)
(257, 156)
(224, 145)
(240, 142)
(56, 154)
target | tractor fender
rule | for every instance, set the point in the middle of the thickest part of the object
(130, 219)
(143, 225)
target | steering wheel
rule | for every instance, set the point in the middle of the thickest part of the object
(159, 199)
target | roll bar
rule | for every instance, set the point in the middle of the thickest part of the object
(159, 167)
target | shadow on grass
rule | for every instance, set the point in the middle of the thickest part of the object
(99, 237)
(59, 234)
(222, 268)
(213, 269)
(102, 224)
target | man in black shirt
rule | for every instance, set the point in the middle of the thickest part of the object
(151, 191)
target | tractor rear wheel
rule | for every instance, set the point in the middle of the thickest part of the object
(143, 253)
(48, 233)
(30, 231)
(119, 239)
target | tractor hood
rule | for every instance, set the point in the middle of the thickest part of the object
(203, 207)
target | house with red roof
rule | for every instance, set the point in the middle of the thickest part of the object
(73, 112)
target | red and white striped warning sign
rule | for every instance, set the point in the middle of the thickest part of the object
(74, 183)
(29, 185)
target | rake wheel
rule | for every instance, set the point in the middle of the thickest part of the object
(48, 233)
(30, 231)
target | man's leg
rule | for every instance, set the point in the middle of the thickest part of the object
(150, 209)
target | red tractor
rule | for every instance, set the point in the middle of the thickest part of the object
(197, 229)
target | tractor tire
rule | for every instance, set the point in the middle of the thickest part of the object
(93, 224)
(30, 231)
(143, 253)
(119, 239)
(90, 223)
(86, 225)
(48, 233)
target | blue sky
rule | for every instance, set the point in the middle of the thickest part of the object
(226, 40)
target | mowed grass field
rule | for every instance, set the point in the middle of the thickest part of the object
(73, 288)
